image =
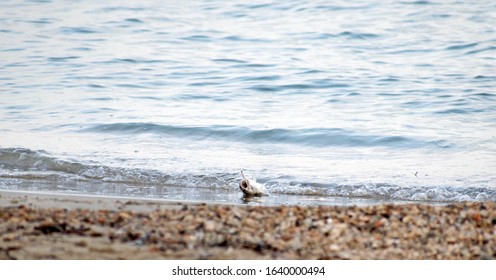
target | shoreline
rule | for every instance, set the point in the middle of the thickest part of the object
(48, 226)
(95, 202)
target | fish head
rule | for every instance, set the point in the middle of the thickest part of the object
(245, 187)
(250, 188)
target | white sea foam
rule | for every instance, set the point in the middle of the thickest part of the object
(37, 166)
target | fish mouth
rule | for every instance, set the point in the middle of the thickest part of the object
(244, 187)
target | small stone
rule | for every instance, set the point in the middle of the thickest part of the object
(9, 237)
(14, 220)
(250, 223)
(48, 227)
(95, 232)
(334, 248)
(477, 217)
(81, 243)
(124, 216)
(209, 225)
(286, 237)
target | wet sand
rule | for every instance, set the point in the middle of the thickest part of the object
(47, 226)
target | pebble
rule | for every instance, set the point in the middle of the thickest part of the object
(457, 231)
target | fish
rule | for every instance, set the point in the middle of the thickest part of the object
(251, 187)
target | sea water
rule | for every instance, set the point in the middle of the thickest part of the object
(321, 101)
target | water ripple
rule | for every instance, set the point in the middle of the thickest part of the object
(314, 90)
(78, 30)
(317, 137)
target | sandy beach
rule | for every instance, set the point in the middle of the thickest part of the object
(47, 226)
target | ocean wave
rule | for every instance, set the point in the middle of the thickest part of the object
(387, 192)
(24, 163)
(40, 167)
(314, 137)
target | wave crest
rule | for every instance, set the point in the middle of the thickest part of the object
(25, 164)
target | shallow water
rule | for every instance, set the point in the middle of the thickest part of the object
(327, 100)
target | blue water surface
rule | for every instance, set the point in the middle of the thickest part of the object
(391, 100)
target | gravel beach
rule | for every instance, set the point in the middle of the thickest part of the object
(55, 227)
